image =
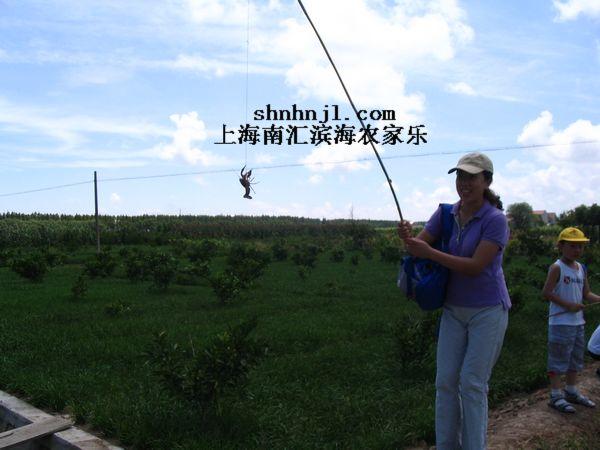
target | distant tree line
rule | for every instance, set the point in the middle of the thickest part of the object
(584, 217)
(54, 229)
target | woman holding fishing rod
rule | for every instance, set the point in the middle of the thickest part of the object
(475, 311)
(476, 307)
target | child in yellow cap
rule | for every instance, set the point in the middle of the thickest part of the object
(566, 287)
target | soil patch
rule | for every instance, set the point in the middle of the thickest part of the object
(527, 422)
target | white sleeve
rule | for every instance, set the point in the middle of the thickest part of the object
(594, 344)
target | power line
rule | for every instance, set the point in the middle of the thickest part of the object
(46, 188)
(167, 175)
(517, 147)
(324, 163)
(282, 166)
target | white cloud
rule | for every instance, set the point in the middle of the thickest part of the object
(230, 12)
(421, 205)
(385, 187)
(563, 150)
(560, 176)
(385, 87)
(215, 66)
(72, 132)
(94, 164)
(97, 69)
(571, 9)
(326, 210)
(537, 131)
(554, 188)
(392, 38)
(226, 12)
(516, 165)
(487, 92)
(324, 157)
(315, 179)
(461, 88)
(115, 198)
(190, 130)
(263, 158)
(85, 75)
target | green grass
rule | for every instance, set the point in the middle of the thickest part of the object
(330, 379)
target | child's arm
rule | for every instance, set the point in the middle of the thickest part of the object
(587, 294)
(551, 280)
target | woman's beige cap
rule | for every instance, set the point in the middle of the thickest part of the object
(474, 163)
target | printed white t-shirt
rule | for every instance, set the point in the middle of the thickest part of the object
(570, 289)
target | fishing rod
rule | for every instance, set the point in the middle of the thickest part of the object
(353, 107)
(565, 312)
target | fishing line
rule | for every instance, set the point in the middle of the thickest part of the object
(247, 76)
(566, 312)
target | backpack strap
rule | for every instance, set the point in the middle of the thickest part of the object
(409, 268)
(447, 225)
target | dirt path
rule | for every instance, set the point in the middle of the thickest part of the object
(527, 422)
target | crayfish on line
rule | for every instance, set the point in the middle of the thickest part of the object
(247, 181)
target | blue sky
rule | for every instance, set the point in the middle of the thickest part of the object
(137, 88)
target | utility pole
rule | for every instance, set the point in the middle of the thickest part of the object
(96, 203)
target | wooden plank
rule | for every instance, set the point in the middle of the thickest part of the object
(32, 431)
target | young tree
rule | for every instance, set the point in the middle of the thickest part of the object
(522, 215)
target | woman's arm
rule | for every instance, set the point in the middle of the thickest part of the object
(484, 254)
(425, 236)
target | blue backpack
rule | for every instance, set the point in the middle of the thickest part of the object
(423, 279)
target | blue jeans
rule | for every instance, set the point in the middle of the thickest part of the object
(469, 344)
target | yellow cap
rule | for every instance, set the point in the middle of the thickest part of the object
(572, 234)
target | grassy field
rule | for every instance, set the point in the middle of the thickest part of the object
(333, 376)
